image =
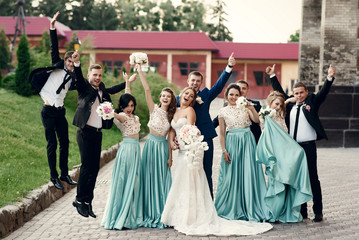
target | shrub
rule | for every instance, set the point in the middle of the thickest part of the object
(8, 82)
(23, 86)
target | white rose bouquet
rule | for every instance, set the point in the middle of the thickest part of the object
(105, 110)
(241, 103)
(140, 58)
(267, 111)
(192, 140)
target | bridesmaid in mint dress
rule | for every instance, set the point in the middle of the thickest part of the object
(156, 158)
(286, 165)
(241, 182)
(124, 203)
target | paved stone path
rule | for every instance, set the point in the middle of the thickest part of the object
(338, 172)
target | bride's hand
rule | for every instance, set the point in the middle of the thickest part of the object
(174, 144)
(169, 163)
(226, 157)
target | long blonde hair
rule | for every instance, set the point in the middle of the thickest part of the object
(194, 96)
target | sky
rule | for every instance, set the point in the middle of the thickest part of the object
(263, 21)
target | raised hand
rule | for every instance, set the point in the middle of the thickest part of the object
(231, 60)
(270, 70)
(331, 71)
(54, 19)
(76, 57)
(132, 78)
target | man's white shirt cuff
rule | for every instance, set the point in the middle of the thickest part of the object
(77, 64)
(228, 69)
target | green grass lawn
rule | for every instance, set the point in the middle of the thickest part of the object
(23, 160)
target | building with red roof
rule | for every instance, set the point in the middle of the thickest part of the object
(175, 54)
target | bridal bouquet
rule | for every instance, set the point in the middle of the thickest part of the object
(241, 103)
(267, 111)
(105, 110)
(139, 57)
(192, 140)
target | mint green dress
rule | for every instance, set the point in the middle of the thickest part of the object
(156, 177)
(124, 208)
(241, 184)
(287, 171)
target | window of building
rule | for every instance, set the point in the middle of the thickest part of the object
(155, 64)
(187, 67)
(232, 78)
(118, 64)
(108, 64)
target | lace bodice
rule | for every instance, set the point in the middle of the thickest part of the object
(278, 119)
(234, 117)
(159, 121)
(130, 126)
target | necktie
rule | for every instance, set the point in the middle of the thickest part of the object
(99, 96)
(67, 78)
(296, 122)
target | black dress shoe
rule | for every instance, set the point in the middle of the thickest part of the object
(91, 213)
(68, 180)
(318, 218)
(82, 208)
(57, 183)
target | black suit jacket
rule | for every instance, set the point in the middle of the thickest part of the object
(87, 96)
(39, 76)
(313, 101)
(255, 128)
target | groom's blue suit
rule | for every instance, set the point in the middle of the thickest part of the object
(204, 121)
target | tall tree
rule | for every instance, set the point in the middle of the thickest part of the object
(149, 15)
(22, 72)
(50, 7)
(81, 11)
(128, 14)
(192, 15)
(44, 44)
(103, 17)
(4, 50)
(170, 16)
(294, 37)
(218, 30)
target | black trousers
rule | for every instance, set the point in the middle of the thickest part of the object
(208, 163)
(55, 123)
(310, 149)
(89, 141)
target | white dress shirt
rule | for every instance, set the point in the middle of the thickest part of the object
(94, 119)
(305, 131)
(48, 92)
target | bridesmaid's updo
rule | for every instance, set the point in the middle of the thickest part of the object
(230, 86)
(124, 101)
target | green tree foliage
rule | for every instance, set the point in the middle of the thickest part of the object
(149, 16)
(22, 72)
(115, 72)
(218, 31)
(128, 15)
(170, 16)
(45, 44)
(294, 37)
(103, 17)
(192, 14)
(4, 50)
(9, 8)
(50, 7)
(80, 14)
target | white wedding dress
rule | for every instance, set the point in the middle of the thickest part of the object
(189, 207)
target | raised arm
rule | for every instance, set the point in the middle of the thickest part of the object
(222, 80)
(253, 114)
(148, 95)
(274, 81)
(55, 56)
(323, 92)
(79, 80)
(128, 81)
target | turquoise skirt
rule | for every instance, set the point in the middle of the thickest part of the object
(287, 171)
(155, 180)
(124, 203)
(241, 183)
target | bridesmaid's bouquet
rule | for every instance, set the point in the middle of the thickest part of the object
(192, 139)
(140, 58)
(105, 111)
(241, 103)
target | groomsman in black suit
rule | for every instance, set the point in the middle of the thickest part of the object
(255, 128)
(305, 127)
(89, 134)
(52, 83)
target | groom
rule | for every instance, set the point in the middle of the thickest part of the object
(305, 127)
(203, 119)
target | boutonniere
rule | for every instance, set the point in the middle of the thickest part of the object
(306, 107)
(199, 100)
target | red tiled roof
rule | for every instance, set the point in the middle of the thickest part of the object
(148, 40)
(280, 51)
(34, 26)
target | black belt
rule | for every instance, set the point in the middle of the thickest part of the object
(307, 142)
(93, 128)
(57, 108)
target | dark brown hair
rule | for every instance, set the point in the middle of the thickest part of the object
(172, 107)
(94, 66)
(68, 55)
(196, 73)
(300, 84)
(230, 86)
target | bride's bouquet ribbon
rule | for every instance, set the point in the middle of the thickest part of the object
(105, 111)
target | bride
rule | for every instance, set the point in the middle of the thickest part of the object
(189, 207)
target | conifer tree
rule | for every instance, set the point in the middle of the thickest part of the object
(23, 86)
